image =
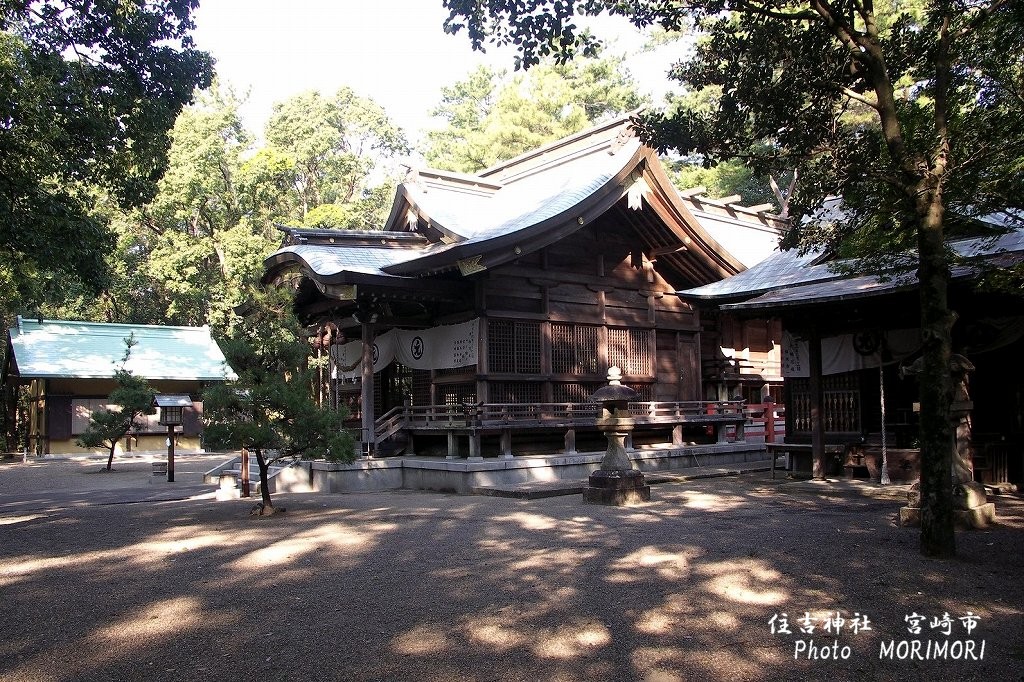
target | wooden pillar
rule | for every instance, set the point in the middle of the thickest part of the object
(817, 406)
(170, 453)
(369, 446)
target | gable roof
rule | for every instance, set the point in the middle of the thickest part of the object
(443, 221)
(48, 349)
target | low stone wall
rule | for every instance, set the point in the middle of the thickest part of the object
(462, 475)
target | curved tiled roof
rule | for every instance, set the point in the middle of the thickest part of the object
(514, 208)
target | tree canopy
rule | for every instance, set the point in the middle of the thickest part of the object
(493, 116)
(908, 111)
(327, 150)
(91, 91)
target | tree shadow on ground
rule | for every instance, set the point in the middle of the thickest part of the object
(419, 586)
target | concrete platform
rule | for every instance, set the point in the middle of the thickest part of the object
(538, 490)
(534, 472)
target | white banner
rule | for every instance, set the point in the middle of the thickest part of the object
(444, 347)
(838, 354)
(348, 357)
(440, 347)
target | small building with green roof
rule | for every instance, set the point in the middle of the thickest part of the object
(66, 370)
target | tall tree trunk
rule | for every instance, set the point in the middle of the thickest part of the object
(110, 457)
(936, 387)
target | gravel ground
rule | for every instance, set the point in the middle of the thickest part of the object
(417, 586)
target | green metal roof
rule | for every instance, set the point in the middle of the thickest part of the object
(50, 349)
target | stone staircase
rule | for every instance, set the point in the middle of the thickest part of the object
(227, 476)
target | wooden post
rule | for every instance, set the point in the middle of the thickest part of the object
(769, 423)
(170, 453)
(244, 472)
(817, 406)
(366, 408)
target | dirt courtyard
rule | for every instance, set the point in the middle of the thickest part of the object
(421, 586)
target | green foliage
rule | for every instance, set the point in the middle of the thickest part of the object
(269, 409)
(131, 399)
(91, 89)
(184, 257)
(492, 116)
(325, 152)
(723, 179)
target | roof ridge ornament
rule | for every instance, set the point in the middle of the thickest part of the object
(625, 134)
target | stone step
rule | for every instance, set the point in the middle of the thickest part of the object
(535, 490)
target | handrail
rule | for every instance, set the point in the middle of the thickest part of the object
(549, 414)
(390, 423)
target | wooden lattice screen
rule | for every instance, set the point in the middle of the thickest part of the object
(630, 351)
(421, 387)
(643, 391)
(573, 392)
(574, 348)
(457, 394)
(522, 392)
(513, 347)
(841, 408)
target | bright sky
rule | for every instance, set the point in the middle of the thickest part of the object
(394, 51)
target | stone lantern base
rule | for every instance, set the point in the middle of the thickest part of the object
(616, 487)
(971, 506)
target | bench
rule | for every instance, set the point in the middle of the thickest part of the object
(799, 452)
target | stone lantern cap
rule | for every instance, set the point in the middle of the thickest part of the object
(614, 392)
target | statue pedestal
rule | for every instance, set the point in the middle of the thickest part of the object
(617, 487)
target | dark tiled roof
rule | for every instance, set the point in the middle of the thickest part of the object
(325, 260)
(787, 278)
(781, 269)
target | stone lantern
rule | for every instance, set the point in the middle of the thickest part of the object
(616, 482)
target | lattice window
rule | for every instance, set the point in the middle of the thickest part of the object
(513, 347)
(573, 348)
(516, 392)
(457, 394)
(630, 351)
(574, 392)
(421, 387)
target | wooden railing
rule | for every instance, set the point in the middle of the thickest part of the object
(566, 415)
(767, 420)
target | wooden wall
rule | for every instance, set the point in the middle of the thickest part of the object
(555, 320)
